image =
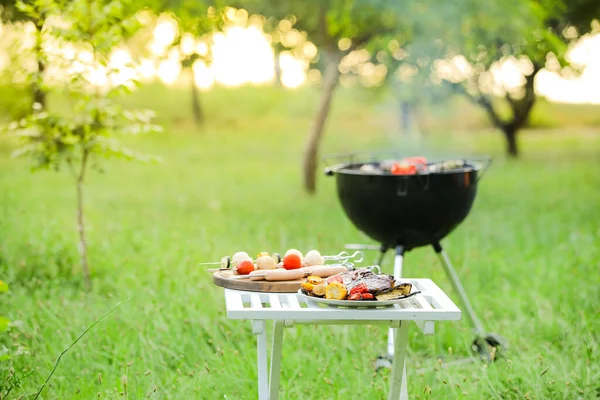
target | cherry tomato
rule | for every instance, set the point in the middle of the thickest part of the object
(292, 261)
(245, 267)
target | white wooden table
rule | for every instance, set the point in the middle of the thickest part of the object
(289, 309)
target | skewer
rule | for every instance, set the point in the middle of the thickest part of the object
(225, 263)
(357, 256)
(343, 257)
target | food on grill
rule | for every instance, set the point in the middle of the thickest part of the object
(373, 282)
(319, 290)
(292, 261)
(397, 292)
(369, 168)
(313, 257)
(336, 291)
(245, 267)
(411, 166)
(265, 262)
(239, 257)
(315, 280)
(403, 168)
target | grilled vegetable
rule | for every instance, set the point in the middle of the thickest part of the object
(355, 296)
(336, 291)
(315, 280)
(320, 289)
(307, 286)
(335, 278)
(361, 296)
(361, 288)
(396, 292)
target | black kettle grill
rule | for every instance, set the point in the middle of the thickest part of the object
(409, 211)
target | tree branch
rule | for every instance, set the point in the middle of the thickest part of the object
(483, 101)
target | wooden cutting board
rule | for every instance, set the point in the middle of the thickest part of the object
(221, 278)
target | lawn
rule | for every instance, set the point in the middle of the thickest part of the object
(528, 255)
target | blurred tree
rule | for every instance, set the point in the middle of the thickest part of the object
(336, 27)
(533, 34)
(86, 134)
(12, 12)
(197, 21)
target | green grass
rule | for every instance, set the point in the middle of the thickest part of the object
(528, 256)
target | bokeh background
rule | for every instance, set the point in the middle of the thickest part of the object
(142, 138)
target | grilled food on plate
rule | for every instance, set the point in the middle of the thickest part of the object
(359, 284)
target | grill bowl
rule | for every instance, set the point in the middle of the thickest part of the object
(408, 210)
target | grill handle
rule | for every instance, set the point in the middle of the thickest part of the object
(484, 163)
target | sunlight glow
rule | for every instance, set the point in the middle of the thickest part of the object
(243, 54)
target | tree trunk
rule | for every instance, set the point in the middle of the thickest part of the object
(39, 95)
(196, 106)
(277, 65)
(81, 224)
(330, 81)
(511, 142)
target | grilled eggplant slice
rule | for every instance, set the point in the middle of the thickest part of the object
(397, 292)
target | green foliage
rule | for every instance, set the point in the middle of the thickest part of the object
(3, 320)
(327, 22)
(51, 139)
(81, 138)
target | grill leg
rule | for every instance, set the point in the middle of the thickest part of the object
(482, 339)
(459, 289)
(383, 250)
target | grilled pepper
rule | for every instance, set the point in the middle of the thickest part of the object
(362, 288)
(315, 280)
(307, 286)
(355, 296)
(336, 291)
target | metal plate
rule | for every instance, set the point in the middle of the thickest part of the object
(359, 303)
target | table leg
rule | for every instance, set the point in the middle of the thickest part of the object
(398, 385)
(259, 328)
(275, 359)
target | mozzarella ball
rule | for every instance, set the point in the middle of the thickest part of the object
(294, 251)
(265, 262)
(313, 257)
(239, 257)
